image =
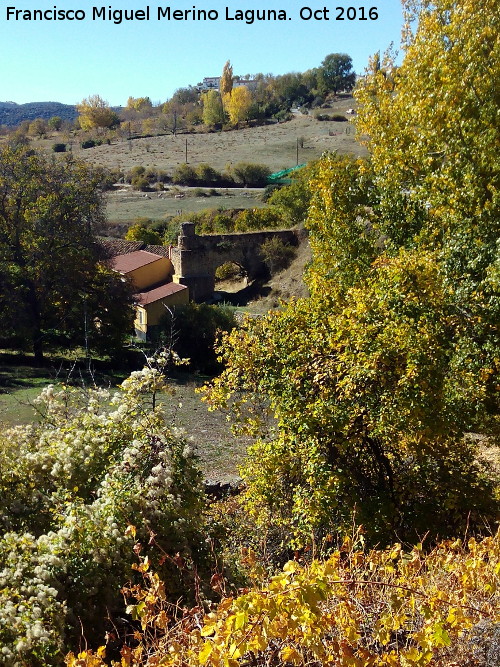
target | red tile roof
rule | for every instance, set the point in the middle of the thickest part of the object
(116, 247)
(158, 293)
(133, 260)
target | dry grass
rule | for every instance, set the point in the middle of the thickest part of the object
(272, 145)
(125, 205)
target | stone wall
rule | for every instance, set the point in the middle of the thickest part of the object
(196, 258)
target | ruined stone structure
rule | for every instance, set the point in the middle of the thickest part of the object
(196, 258)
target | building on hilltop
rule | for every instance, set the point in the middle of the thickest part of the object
(213, 83)
(209, 83)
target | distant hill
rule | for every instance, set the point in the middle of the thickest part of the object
(13, 114)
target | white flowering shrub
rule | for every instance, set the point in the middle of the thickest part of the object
(96, 463)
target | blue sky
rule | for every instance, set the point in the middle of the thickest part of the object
(65, 61)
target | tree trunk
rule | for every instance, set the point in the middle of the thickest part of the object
(37, 347)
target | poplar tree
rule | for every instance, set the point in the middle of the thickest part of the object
(375, 380)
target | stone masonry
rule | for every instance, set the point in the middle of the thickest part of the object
(196, 258)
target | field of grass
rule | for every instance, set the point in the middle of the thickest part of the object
(219, 451)
(273, 145)
(125, 205)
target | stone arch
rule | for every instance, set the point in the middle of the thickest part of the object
(196, 258)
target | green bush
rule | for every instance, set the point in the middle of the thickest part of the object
(276, 254)
(283, 115)
(251, 175)
(140, 183)
(227, 271)
(257, 218)
(207, 175)
(135, 172)
(184, 174)
(269, 190)
(141, 231)
(91, 143)
(196, 328)
(59, 148)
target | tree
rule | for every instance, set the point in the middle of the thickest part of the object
(183, 96)
(52, 283)
(250, 174)
(226, 80)
(96, 113)
(55, 123)
(293, 200)
(375, 380)
(238, 104)
(435, 160)
(226, 83)
(139, 104)
(142, 232)
(37, 128)
(276, 254)
(213, 112)
(336, 73)
(196, 328)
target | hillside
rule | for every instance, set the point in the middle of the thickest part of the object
(274, 145)
(12, 114)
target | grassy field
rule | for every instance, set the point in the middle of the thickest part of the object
(126, 205)
(273, 145)
(219, 451)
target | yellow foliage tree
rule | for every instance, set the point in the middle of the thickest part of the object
(375, 379)
(431, 124)
(96, 113)
(238, 103)
(226, 80)
(213, 112)
(139, 103)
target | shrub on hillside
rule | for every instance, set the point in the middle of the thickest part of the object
(140, 183)
(136, 171)
(283, 115)
(184, 174)
(228, 271)
(156, 175)
(269, 190)
(252, 219)
(207, 175)
(59, 148)
(91, 143)
(251, 175)
(276, 254)
(358, 607)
